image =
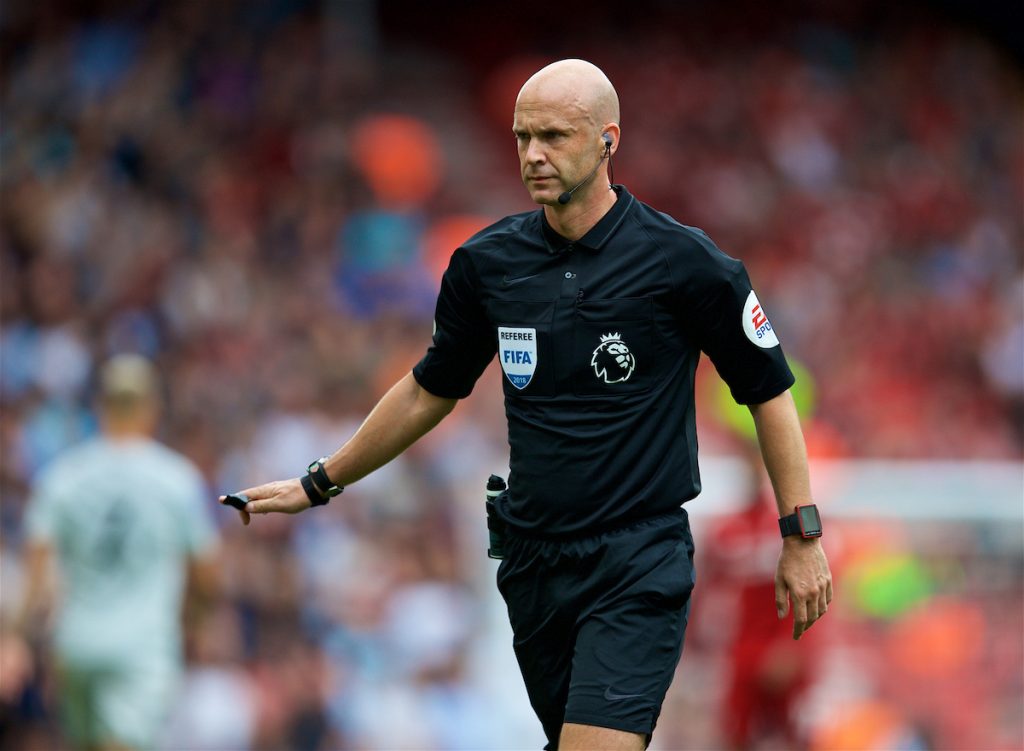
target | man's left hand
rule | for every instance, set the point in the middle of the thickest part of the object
(803, 579)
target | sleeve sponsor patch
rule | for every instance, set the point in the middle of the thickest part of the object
(756, 325)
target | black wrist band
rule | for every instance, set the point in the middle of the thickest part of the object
(314, 495)
(789, 525)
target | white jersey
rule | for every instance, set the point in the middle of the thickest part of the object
(123, 517)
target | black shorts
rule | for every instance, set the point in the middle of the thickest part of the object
(598, 621)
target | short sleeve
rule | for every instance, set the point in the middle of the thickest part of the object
(721, 312)
(463, 343)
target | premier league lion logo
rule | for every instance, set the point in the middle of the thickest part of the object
(612, 360)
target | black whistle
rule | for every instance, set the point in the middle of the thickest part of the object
(237, 500)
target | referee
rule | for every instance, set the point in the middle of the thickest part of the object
(598, 308)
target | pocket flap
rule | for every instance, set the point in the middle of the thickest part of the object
(623, 309)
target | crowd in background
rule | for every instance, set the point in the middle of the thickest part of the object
(262, 198)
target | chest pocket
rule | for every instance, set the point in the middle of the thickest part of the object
(614, 347)
(525, 351)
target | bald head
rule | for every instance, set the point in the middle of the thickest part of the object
(566, 125)
(576, 85)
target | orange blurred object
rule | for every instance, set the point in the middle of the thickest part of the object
(400, 158)
(938, 640)
(445, 235)
(824, 441)
(866, 726)
(503, 85)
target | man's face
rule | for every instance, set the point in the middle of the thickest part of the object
(557, 147)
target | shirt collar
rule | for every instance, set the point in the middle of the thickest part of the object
(599, 234)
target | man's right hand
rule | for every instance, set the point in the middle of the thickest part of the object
(283, 497)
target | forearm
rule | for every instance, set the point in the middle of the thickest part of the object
(203, 587)
(404, 415)
(783, 450)
(38, 590)
(802, 576)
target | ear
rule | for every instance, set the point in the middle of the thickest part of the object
(610, 135)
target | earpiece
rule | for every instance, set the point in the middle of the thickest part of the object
(608, 141)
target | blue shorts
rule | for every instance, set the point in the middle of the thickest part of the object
(599, 621)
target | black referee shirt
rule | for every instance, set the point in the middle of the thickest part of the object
(598, 341)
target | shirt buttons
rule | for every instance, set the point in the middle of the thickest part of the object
(569, 275)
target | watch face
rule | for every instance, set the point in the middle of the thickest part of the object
(810, 521)
(312, 466)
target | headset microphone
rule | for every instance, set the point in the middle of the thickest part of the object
(567, 195)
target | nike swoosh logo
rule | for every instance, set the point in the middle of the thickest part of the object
(508, 282)
(616, 697)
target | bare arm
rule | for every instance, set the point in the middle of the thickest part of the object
(803, 575)
(404, 415)
(38, 598)
(204, 578)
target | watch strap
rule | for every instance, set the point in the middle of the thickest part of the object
(789, 525)
(314, 495)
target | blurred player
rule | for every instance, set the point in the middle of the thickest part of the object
(121, 517)
(767, 672)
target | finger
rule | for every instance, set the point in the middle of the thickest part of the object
(781, 600)
(799, 617)
(223, 500)
(813, 611)
(823, 599)
(260, 491)
(828, 591)
(260, 507)
(816, 607)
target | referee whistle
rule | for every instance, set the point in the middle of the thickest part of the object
(237, 500)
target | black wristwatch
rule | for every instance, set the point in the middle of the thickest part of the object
(806, 522)
(318, 486)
